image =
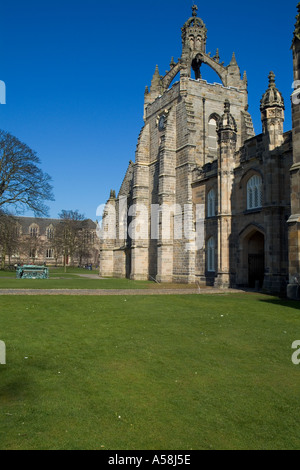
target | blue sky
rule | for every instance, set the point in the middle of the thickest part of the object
(76, 71)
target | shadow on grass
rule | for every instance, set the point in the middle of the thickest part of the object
(13, 389)
(295, 304)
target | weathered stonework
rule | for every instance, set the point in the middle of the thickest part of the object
(198, 147)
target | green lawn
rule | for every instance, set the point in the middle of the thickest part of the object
(149, 372)
(72, 280)
(69, 280)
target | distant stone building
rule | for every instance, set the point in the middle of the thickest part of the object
(37, 244)
(198, 149)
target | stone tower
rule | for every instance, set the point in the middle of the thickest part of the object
(185, 129)
(294, 221)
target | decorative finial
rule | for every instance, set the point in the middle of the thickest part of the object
(227, 121)
(233, 60)
(227, 106)
(217, 56)
(172, 63)
(194, 9)
(272, 80)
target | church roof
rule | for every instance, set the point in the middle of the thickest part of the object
(44, 223)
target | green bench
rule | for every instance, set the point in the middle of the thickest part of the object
(32, 272)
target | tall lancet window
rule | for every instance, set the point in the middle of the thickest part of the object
(211, 255)
(211, 204)
(254, 193)
(213, 136)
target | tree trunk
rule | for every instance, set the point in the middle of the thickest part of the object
(65, 261)
(3, 258)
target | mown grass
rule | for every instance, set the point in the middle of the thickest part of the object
(69, 280)
(77, 278)
(155, 372)
(73, 282)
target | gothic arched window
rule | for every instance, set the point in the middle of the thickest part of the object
(212, 135)
(211, 204)
(34, 230)
(254, 192)
(211, 255)
(50, 232)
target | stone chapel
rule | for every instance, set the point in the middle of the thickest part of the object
(198, 149)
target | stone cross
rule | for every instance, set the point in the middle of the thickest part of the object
(2, 353)
(194, 9)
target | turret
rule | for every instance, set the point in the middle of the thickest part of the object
(272, 114)
(227, 128)
(227, 135)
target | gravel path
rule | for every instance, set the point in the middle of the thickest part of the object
(100, 292)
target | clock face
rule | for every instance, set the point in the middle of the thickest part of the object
(161, 124)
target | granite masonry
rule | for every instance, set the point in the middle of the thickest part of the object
(197, 149)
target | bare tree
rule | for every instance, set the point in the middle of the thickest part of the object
(68, 233)
(23, 184)
(85, 245)
(9, 237)
(31, 246)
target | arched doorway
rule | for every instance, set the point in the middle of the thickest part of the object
(251, 257)
(256, 259)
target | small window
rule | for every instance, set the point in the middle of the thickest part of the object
(254, 193)
(33, 231)
(50, 233)
(18, 230)
(88, 236)
(211, 204)
(211, 255)
(50, 253)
